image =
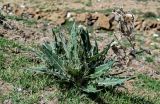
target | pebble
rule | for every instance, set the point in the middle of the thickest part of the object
(155, 35)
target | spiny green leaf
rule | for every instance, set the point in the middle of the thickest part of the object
(100, 70)
(111, 81)
(39, 54)
(73, 43)
(65, 47)
(85, 40)
(104, 52)
(90, 89)
(40, 69)
(52, 57)
(95, 48)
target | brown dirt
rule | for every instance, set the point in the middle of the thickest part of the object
(25, 34)
(145, 6)
(5, 88)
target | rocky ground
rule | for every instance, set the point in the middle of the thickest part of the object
(61, 12)
(30, 23)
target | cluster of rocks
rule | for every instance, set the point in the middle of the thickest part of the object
(144, 25)
(59, 17)
(102, 21)
(98, 20)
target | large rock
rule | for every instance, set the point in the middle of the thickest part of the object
(82, 17)
(102, 22)
(149, 24)
(58, 18)
(138, 24)
(86, 18)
